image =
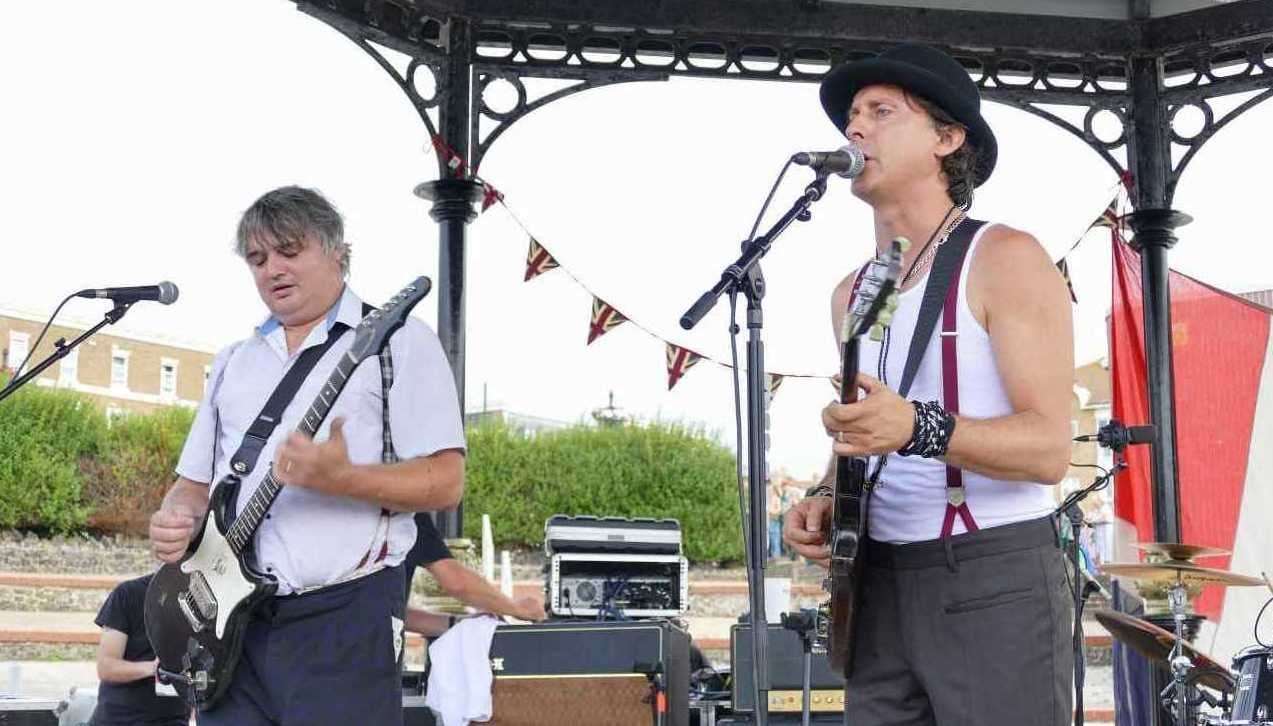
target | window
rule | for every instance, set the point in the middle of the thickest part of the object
(168, 378)
(19, 346)
(119, 368)
(69, 368)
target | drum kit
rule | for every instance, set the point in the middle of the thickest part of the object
(1240, 696)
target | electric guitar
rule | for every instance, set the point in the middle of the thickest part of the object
(874, 300)
(197, 610)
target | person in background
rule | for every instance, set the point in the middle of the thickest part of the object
(126, 665)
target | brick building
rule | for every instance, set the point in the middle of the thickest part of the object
(123, 373)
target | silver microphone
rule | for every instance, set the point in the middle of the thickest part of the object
(164, 293)
(846, 161)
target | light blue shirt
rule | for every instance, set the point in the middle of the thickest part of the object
(311, 539)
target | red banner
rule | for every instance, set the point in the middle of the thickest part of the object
(1219, 343)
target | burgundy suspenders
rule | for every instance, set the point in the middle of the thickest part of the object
(956, 495)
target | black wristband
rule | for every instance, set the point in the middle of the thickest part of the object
(933, 428)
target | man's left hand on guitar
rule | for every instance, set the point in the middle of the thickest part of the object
(323, 466)
(880, 422)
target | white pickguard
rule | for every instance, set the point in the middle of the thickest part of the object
(220, 568)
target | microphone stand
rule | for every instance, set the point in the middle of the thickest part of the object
(61, 349)
(744, 276)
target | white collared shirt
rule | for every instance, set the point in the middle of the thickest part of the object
(311, 539)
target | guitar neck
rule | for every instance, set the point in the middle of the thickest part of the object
(849, 371)
(246, 524)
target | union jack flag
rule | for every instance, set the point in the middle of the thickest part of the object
(775, 380)
(1064, 267)
(604, 319)
(538, 261)
(1111, 219)
(490, 195)
(679, 360)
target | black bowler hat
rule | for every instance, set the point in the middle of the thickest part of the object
(926, 72)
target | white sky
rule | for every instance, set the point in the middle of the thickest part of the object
(133, 134)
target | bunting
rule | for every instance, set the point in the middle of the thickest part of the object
(679, 360)
(538, 261)
(490, 195)
(604, 319)
(775, 380)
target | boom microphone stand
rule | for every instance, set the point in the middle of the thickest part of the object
(743, 276)
(61, 349)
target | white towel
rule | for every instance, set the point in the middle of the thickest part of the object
(460, 672)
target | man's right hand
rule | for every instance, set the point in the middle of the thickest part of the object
(806, 527)
(170, 532)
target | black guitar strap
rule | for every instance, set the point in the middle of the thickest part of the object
(949, 256)
(244, 459)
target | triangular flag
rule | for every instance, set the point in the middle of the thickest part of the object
(450, 158)
(1109, 218)
(538, 261)
(775, 380)
(604, 318)
(490, 195)
(1064, 267)
(679, 360)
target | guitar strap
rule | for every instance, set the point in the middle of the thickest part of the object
(249, 451)
(941, 295)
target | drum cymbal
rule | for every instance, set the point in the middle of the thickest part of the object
(1178, 551)
(1186, 572)
(1155, 644)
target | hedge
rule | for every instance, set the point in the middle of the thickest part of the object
(63, 468)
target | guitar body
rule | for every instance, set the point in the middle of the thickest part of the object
(197, 610)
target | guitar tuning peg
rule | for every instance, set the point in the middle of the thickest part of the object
(903, 243)
(885, 317)
(893, 300)
(877, 332)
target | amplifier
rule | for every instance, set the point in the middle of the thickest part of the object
(786, 668)
(28, 712)
(634, 585)
(590, 672)
(564, 533)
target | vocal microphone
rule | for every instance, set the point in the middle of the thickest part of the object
(165, 292)
(1114, 435)
(846, 161)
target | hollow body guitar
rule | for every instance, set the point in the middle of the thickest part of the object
(197, 609)
(870, 309)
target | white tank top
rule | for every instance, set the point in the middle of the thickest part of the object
(909, 503)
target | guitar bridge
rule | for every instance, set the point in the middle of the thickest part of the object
(188, 609)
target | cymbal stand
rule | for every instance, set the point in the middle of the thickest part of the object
(1175, 697)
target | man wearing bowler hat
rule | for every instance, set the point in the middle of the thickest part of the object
(964, 614)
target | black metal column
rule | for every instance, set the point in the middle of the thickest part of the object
(1149, 151)
(453, 196)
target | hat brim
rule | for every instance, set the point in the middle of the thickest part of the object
(842, 84)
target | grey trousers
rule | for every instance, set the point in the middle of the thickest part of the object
(975, 630)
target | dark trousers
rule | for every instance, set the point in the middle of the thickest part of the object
(975, 630)
(326, 657)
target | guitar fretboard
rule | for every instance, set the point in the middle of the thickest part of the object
(246, 524)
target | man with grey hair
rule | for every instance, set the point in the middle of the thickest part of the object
(326, 649)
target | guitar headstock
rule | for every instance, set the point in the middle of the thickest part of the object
(375, 329)
(876, 295)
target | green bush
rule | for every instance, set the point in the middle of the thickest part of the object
(43, 436)
(657, 470)
(126, 482)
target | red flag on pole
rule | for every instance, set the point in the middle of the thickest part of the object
(604, 319)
